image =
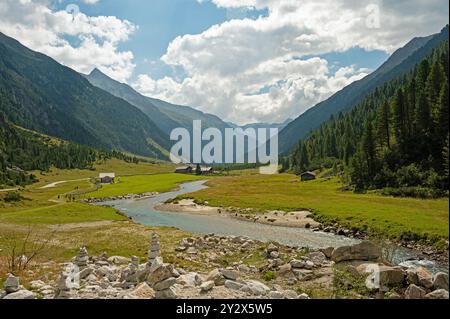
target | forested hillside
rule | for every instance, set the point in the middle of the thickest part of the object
(40, 94)
(399, 64)
(396, 138)
(23, 150)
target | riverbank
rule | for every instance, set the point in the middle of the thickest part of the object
(232, 267)
(302, 219)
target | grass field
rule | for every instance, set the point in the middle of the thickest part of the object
(143, 183)
(393, 217)
(46, 211)
(63, 213)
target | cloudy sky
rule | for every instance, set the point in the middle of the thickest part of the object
(244, 60)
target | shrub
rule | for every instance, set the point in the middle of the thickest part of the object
(12, 197)
(269, 276)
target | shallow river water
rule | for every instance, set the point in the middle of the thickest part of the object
(143, 211)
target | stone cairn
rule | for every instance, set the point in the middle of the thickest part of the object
(63, 290)
(154, 250)
(63, 283)
(161, 277)
(130, 275)
(11, 284)
(82, 259)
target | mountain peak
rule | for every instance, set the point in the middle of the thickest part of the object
(97, 72)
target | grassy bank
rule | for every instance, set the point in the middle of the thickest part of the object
(387, 216)
(143, 183)
(44, 213)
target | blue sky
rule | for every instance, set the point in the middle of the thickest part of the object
(161, 21)
(244, 60)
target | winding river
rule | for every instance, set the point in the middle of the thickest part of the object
(144, 211)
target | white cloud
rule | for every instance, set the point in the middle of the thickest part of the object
(76, 40)
(91, 1)
(249, 70)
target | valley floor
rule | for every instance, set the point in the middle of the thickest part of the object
(54, 215)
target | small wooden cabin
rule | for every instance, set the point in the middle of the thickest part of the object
(184, 170)
(307, 176)
(107, 178)
(207, 170)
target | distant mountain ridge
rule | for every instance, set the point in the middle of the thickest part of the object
(167, 116)
(38, 93)
(400, 63)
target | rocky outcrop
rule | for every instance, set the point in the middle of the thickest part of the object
(124, 197)
(363, 251)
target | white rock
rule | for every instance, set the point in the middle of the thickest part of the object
(21, 294)
(257, 288)
(276, 295)
(438, 294)
(37, 284)
(11, 283)
(165, 284)
(233, 285)
(207, 286)
(230, 274)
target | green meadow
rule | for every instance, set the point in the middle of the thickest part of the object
(379, 215)
(143, 183)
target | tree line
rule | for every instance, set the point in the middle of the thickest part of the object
(22, 151)
(397, 139)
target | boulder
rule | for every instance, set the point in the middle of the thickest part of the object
(207, 286)
(230, 274)
(415, 292)
(438, 294)
(298, 264)
(233, 285)
(167, 294)
(257, 288)
(161, 273)
(216, 276)
(276, 295)
(309, 265)
(37, 284)
(118, 260)
(391, 276)
(274, 254)
(285, 270)
(411, 277)
(392, 295)
(363, 251)
(290, 294)
(21, 294)
(165, 284)
(327, 251)
(155, 264)
(440, 281)
(11, 284)
(191, 279)
(317, 257)
(425, 277)
(143, 291)
(303, 296)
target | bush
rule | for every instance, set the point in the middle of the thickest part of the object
(415, 192)
(269, 276)
(12, 197)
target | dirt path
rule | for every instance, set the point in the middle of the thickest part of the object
(81, 225)
(8, 190)
(54, 184)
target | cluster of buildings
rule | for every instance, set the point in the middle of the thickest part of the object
(195, 169)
